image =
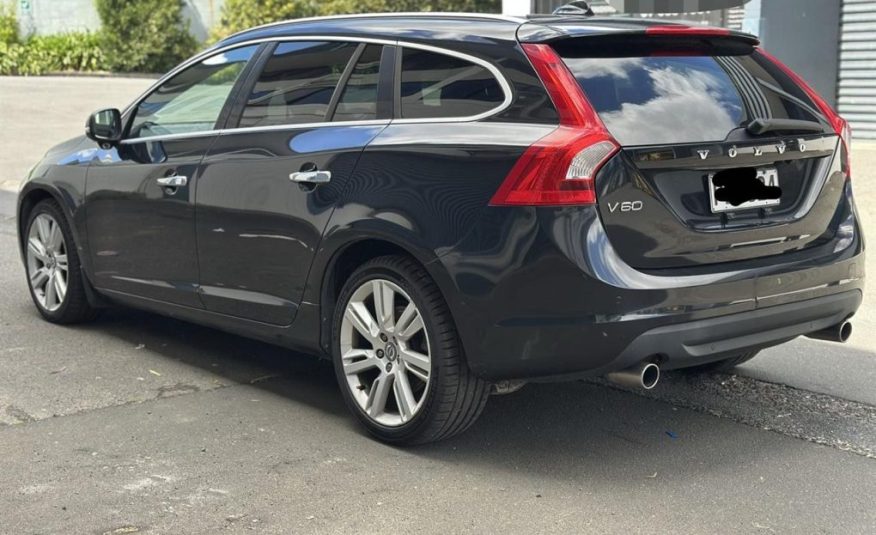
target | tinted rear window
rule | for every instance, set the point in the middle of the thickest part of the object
(438, 85)
(297, 83)
(649, 100)
(358, 101)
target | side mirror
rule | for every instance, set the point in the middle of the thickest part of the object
(105, 127)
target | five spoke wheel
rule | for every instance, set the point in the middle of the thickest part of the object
(47, 262)
(385, 352)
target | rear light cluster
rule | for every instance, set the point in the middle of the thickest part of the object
(840, 125)
(558, 170)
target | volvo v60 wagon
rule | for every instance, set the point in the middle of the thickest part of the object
(448, 206)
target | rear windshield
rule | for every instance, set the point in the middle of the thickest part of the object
(650, 100)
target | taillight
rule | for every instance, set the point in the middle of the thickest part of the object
(559, 168)
(839, 125)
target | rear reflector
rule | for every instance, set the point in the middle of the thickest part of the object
(840, 125)
(559, 169)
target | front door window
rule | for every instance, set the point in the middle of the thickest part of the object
(192, 100)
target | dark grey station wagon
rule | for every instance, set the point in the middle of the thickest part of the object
(452, 205)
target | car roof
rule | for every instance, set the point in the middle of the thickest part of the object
(391, 26)
(432, 27)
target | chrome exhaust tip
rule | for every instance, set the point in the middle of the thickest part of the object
(836, 333)
(644, 375)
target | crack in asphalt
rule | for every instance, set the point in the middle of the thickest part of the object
(814, 417)
(819, 418)
(19, 414)
(162, 393)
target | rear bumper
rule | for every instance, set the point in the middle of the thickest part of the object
(540, 294)
(698, 342)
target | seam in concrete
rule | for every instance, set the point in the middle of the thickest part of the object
(162, 395)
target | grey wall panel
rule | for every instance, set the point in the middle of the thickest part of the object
(857, 66)
(805, 35)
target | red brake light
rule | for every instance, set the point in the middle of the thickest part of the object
(687, 31)
(559, 168)
(840, 125)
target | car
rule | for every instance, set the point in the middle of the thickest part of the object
(449, 206)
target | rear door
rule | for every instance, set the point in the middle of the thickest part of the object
(697, 182)
(140, 207)
(271, 180)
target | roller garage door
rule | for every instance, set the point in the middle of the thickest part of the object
(857, 66)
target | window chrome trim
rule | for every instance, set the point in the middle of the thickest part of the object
(169, 137)
(402, 14)
(254, 129)
(323, 124)
(497, 74)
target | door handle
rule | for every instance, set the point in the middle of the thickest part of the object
(311, 177)
(175, 181)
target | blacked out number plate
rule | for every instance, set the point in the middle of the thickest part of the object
(768, 175)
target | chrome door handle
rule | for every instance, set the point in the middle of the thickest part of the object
(175, 181)
(311, 177)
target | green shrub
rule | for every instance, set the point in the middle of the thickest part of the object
(8, 23)
(53, 53)
(334, 7)
(238, 15)
(144, 36)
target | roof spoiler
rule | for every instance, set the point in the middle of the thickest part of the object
(590, 8)
(584, 18)
(553, 28)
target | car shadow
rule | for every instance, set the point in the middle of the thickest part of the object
(235, 358)
(562, 431)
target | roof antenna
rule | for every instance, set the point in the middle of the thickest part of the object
(578, 7)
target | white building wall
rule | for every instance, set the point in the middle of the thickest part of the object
(516, 7)
(45, 17)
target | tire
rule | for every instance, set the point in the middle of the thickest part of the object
(723, 366)
(57, 289)
(416, 405)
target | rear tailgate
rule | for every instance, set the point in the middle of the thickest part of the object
(680, 105)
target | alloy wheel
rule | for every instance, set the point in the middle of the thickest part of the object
(47, 262)
(385, 352)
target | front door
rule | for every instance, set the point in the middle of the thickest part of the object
(140, 205)
(270, 182)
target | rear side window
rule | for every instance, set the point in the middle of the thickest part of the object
(438, 85)
(358, 102)
(649, 100)
(297, 84)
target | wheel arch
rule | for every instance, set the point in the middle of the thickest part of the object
(27, 201)
(346, 257)
(31, 195)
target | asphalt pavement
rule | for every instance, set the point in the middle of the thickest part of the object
(138, 423)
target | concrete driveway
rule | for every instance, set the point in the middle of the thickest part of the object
(142, 424)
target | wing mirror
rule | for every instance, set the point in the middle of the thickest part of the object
(105, 127)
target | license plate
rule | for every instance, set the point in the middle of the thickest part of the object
(768, 175)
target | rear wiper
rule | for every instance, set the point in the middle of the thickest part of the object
(762, 126)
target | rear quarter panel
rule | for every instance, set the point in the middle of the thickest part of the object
(422, 187)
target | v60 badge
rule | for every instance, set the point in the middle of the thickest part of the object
(625, 206)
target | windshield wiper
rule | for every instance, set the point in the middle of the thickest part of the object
(762, 126)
